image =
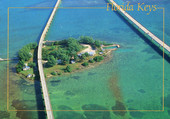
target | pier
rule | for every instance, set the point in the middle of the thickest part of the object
(47, 102)
(1, 59)
(4, 59)
(146, 31)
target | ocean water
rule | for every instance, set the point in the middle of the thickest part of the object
(132, 79)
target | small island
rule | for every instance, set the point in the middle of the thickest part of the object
(64, 56)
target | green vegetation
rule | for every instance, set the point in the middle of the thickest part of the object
(67, 56)
(91, 61)
(31, 64)
(90, 41)
(24, 55)
(59, 73)
(98, 58)
(27, 64)
(54, 73)
(51, 61)
(45, 53)
(85, 64)
(61, 57)
(68, 69)
(19, 66)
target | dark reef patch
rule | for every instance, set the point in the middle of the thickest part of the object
(142, 91)
(76, 77)
(95, 114)
(129, 101)
(68, 114)
(21, 105)
(136, 114)
(4, 114)
(168, 112)
(119, 106)
(91, 73)
(167, 101)
(55, 83)
(166, 79)
(69, 93)
(148, 51)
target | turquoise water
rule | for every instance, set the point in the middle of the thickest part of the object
(110, 47)
(133, 76)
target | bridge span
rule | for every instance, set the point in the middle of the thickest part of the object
(146, 31)
(40, 66)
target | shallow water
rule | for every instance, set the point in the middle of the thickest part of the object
(132, 79)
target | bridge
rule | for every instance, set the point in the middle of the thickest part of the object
(40, 66)
(146, 31)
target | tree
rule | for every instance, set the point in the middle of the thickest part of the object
(21, 63)
(86, 54)
(31, 64)
(45, 54)
(53, 73)
(51, 61)
(56, 43)
(20, 66)
(76, 57)
(52, 47)
(86, 40)
(73, 45)
(91, 61)
(83, 57)
(24, 54)
(68, 69)
(85, 64)
(65, 59)
(32, 45)
(60, 52)
(97, 43)
(98, 58)
(54, 53)
(62, 42)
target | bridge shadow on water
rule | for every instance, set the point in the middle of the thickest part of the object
(142, 35)
(146, 39)
(37, 82)
(38, 90)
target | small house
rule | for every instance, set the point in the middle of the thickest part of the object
(30, 53)
(91, 53)
(100, 53)
(29, 75)
(79, 54)
(26, 68)
(59, 61)
(33, 75)
(72, 62)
